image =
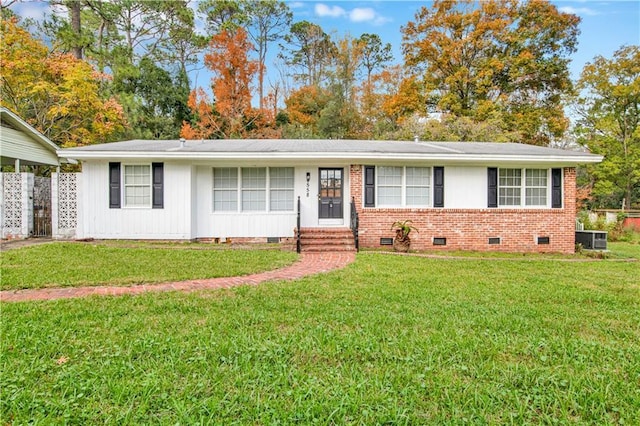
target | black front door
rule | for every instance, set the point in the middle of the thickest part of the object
(330, 196)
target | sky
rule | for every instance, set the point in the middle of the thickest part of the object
(605, 26)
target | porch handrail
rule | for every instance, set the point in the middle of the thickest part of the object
(298, 242)
(355, 223)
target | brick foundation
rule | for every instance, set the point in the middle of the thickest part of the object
(470, 229)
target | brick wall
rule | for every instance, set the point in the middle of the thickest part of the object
(470, 229)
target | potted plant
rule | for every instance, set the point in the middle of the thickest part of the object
(402, 242)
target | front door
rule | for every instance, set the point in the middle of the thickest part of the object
(330, 196)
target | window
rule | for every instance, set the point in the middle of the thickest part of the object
(281, 189)
(390, 186)
(536, 187)
(225, 189)
(253, 189)
(511, 186)
(403, 186)
(418, 181)
(137, 186)
(254, 185)
(143, 185)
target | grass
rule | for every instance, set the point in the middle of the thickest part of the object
(389, 339)
(125, 263)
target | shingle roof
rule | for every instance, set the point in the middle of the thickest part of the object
(323, 148)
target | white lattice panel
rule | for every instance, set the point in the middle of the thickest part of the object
(67, 200)
(12, 194)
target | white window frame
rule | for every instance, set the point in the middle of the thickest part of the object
(227, 189)
(523, 187)
(547, 177)
(240, 190)
(125, 186)
(273, 189)
(403, 188)
(246, 189)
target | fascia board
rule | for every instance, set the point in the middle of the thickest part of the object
(353, 156)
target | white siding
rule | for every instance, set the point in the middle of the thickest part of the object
(465, 187)
(212, 224)
(171, 222)
(17, 144)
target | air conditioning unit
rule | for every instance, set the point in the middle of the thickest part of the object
(592, 240)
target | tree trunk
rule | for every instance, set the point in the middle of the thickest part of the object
(74, 11)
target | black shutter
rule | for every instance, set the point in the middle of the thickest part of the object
(369, 186)
(114, 185)
(492, 187)
(157, 174)
(438, 187)
(556, 188)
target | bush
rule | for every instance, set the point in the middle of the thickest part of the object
(615, 230)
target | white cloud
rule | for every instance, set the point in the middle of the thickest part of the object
(357, 15)
(360, 14)
(578, 10)
(296, 5)
(322, 10)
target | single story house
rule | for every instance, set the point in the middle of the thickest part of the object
(459, 195)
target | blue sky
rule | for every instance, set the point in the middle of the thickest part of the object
(605, 26)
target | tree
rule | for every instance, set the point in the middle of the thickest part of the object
(206, 123)
(222, 15)
(156, 101)
(233, 71)
(403, 95)
(373, 53)
(304, 107)
(373, 56)
(145, 46)
(56, 93)
(267, 21)
(340, 117)
(311, 51)
(496, 58)
(609, 124)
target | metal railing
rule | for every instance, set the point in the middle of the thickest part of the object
(355, 223)
(298, 241)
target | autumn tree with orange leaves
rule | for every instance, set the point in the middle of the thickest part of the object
(231, 115)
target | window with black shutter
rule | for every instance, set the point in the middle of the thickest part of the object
(114, 185)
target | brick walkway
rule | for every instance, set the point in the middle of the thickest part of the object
(309, 264)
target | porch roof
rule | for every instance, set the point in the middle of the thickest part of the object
(20, 141)
(329, 149)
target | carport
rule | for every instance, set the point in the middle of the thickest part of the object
(25, 199)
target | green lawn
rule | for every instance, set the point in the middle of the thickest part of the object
(125, 263)
(389, 339)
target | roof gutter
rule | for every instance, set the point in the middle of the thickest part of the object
(364, 156)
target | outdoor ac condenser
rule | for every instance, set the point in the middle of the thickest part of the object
(592, 240)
